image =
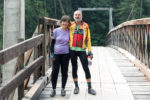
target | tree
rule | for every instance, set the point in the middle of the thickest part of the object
(124, 8)
(33, 9)
(98, 20)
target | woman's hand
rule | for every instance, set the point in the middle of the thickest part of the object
(90, 54)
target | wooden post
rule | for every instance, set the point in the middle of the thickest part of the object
(44, 47)
(51, 61)
(49, 39)
(21, 87)
(21, 66)
(36, 73)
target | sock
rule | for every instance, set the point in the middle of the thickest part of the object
(89, 84)
(76, 83)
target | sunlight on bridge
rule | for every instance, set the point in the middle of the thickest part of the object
(113, 76)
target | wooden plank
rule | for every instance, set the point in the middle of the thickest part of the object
(16, 50)
(142, 92)
(137, 79)
(51, 21)
(124, 64)
(144, 69)
(129, 69)
(124, 92)
(36, 90)
(36, 73)
(29, 54)
(133, 74)
(107, 85)
(21, 86)
(105, 75)
(102, 81)
(46, 92)
(62, 98)
(45, 95)
(44, 48)
(108, 92)
(30, 60)
(19, 65)
(2, 98)
(81, 95)
(132, 22)
(139, 83)
(20, 77)
(122, 61)
(140, 88)
(98, 96)
(120, 87)
(94, 69)
(114, 70)
(142, 97)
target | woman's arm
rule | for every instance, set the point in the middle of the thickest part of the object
(52, 45)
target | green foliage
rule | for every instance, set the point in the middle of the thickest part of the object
(124, 7)
(98, 20)
(123, 10)
(145, 8)
(98, 26)
(33, 9)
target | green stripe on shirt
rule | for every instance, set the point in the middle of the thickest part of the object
(77, 49)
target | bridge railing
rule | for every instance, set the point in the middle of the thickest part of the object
(41, 46)
(133, 36)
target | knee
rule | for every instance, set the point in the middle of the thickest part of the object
(88, 76)
(74, 75)
(64, 74)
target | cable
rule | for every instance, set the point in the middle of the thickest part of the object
(61, 6)
(141, 8)
(55, 8)
(131, 12)
(44, 7)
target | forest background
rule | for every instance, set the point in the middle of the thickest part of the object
(98, 20)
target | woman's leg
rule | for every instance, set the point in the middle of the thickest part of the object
(55, 71)
(64, 68)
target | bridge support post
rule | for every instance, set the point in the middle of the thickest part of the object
(13, 29)
(99, 9)
(110, 19)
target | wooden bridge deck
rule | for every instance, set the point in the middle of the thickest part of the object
(113, 78)
(138, 83)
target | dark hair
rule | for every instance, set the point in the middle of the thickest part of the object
(65, 18)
